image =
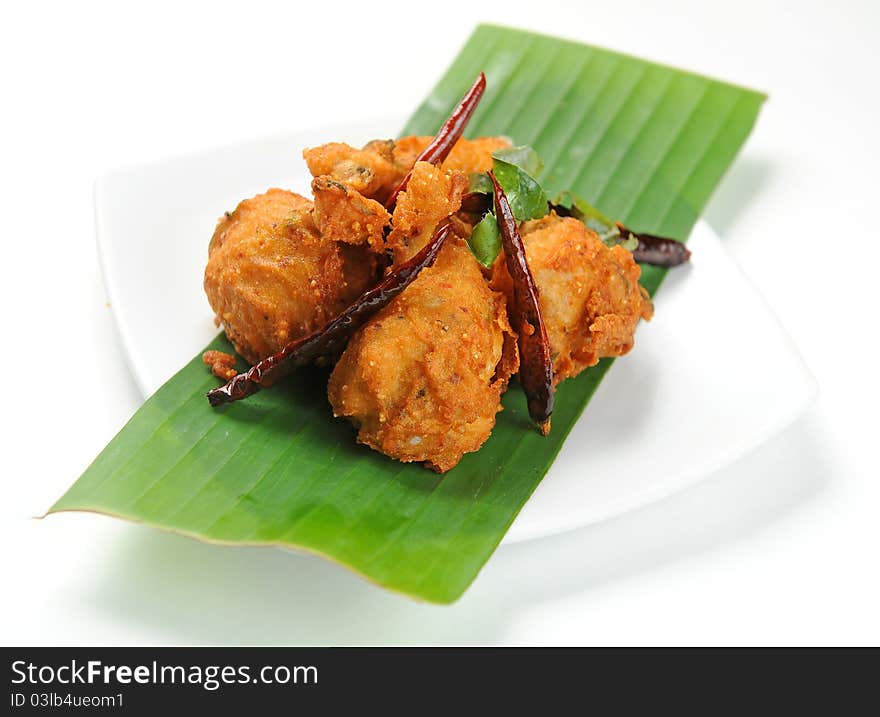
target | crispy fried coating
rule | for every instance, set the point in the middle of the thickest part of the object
(222, 364)
(431, 195)
(271, 277)
(468, 155)
(370, 171)
(344, 214)
(375, 170)
(590, 296)
(422, 379)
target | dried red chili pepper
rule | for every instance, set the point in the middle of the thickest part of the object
(659, 251)
(536, 365)
(333, 336)
(450, 132)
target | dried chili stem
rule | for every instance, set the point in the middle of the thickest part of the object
(450, 132)
(536, 365)
(335, 334)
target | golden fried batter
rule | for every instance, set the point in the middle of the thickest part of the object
(431, 195)
(468, 155)
(590, 295)
(222, 364)
(422, 379)
(377, 169)
(271, 277)
(344, 214)
(371, 170)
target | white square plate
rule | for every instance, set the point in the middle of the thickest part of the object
(711, 377)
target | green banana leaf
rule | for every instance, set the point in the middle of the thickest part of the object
(645, 143)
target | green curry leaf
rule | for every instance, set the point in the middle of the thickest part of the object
(523, 156)
(516, 169)
(485, 240)
(479, 183)
(527, 198)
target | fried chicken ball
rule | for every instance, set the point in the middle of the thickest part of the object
(272, 277)
(422, 380)
(590, 295)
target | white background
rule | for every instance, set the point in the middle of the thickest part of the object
(780, 548)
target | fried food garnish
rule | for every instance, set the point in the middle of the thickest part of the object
(343, 214)
(422, 379)
(271, 277)
(222, 364)
(431, 195)
(590, 296)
